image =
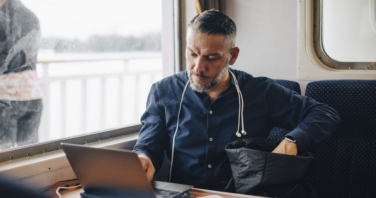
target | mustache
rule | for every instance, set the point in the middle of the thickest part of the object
(193, 73)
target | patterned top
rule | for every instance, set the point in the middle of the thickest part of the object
(19, 38)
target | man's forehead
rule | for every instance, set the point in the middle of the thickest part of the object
(207, 53)
(208, 43)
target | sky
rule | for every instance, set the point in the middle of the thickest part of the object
(83, 18)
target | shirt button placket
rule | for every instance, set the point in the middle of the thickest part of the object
(210, 146)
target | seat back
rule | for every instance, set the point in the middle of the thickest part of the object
(345, 164)
(289, 85)
(279, 133)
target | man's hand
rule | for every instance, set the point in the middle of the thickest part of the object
(147, 166)
(286, 147)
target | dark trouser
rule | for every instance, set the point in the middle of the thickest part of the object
(19, 122)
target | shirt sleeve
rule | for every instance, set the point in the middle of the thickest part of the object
(310, 122)
(153, 139)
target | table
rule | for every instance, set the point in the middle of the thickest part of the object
(75, 193)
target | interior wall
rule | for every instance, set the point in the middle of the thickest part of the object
(267, 37)
(189, 11)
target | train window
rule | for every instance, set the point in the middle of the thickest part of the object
(372, 14)
(74, 67)
(346, 37)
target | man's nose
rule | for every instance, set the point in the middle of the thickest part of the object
(200, 65)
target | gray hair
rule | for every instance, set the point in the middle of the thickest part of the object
(213, 22)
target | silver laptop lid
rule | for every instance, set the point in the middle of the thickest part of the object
(106, 168)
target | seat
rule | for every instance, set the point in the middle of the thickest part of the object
(289, 85)
(279, 133)
(345, 164)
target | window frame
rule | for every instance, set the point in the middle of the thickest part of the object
(319, 48)
(54, 145)
(372, 14)
(170, 56)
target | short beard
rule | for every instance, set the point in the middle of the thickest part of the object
(209, 85)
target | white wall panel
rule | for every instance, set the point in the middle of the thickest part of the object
(267, 37)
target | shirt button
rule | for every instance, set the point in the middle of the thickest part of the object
(210, 139)
(210, 112)
(209, 166)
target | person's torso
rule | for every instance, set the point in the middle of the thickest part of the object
(205, 127)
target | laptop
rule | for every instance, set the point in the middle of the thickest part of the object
(114, 173)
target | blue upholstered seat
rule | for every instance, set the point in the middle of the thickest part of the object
(345, 164)
(289, 85)
(279, 133)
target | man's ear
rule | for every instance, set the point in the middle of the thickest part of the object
(234, 52)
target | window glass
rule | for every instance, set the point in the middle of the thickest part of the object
(72, 67)
(349, 30)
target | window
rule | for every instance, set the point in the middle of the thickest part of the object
(372, 14)
(77, 66)
(346, 36)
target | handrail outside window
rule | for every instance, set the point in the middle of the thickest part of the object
(171, 14)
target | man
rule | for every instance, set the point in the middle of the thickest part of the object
(209, 116)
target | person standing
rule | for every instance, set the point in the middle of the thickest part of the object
(20, 93)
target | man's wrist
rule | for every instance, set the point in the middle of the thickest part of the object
(144, 156)
(147, 158)
(291, 142)
(290, 139)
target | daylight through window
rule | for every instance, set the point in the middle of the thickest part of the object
(74, 67)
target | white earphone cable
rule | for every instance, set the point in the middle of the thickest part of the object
(237, 132)
(241, 107)
(240, 118)
(177, 126)
(243, 131)
(58, 189)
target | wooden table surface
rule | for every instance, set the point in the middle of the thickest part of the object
(75, 192)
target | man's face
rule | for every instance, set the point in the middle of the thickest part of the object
(207, 59)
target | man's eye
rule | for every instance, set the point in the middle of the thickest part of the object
(193, 55)
(210, 58)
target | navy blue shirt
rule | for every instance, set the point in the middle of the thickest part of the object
(206, 127)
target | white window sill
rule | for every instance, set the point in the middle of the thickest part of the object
(39, 166)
